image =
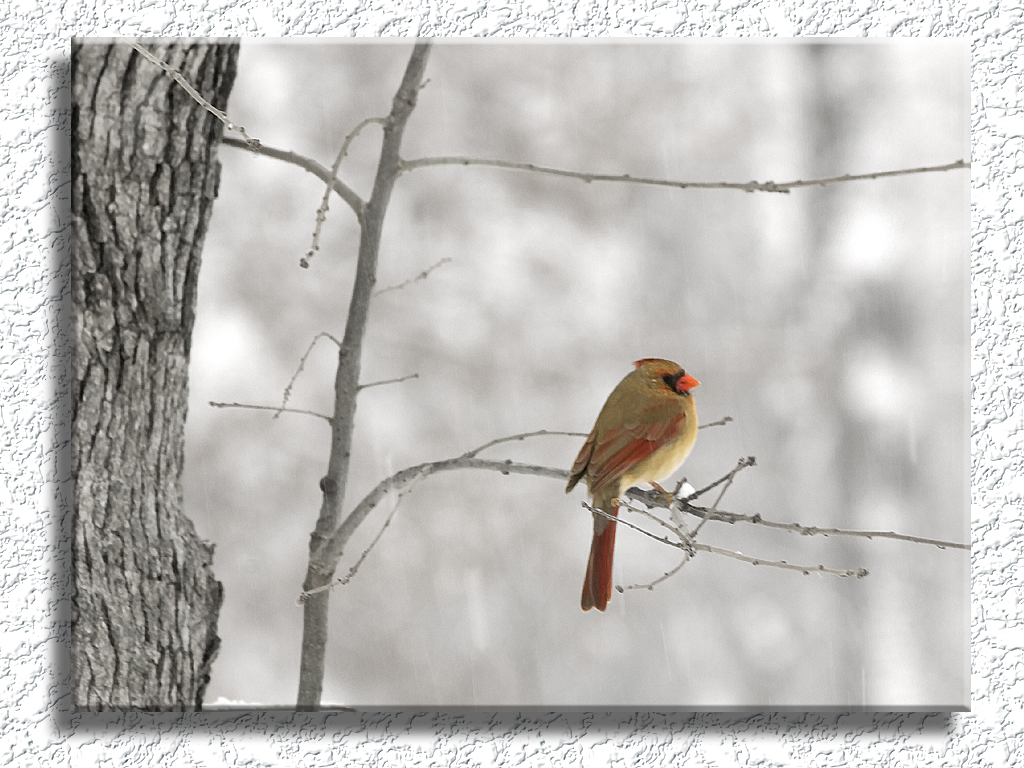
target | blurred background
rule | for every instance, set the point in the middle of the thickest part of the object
(831, 324)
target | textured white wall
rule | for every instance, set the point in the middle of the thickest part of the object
(38, 729)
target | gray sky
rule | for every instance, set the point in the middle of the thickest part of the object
(830, 323)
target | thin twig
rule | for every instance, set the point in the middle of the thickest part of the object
(421, 276)
(750, 186)
(652, 498)
(500, 440)
(277, 410)
(321, 212)
(399, 480)
(664, 577)
(750, 461)
(302, 364)
(342, 581)
(687, 538)
(806, 570)
(720, 423)
(355, 202)
(644, 513)
(806, 530)
(741, 464)
(684, 545)
(250, 142)
(635, 527)
(389, 381)
(333, 546)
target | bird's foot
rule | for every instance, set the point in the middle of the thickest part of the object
(667, 496)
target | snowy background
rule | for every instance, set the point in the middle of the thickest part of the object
(38, 727)
(830, 323)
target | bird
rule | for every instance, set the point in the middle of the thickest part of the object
(644, 432)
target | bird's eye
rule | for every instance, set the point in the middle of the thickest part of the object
(672, 380)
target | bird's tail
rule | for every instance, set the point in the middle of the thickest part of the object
(597, 586)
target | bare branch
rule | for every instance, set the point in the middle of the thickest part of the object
(750, 461)
(664, 577)
(500, 440)
(806, 570)
(355, 568)
(653, 499)
(815, 531)
(676, 530)
(321, 212)
(250, 142)
(355, 202)
(740, 465)
(614, 519)
(421, 276)
(687, 539)
(274, 408)
(336, 542)
(334, 545)
(786, 186)
(720, 423)
(696, 545)
(389, 381)
(750, 186)
(302, 364)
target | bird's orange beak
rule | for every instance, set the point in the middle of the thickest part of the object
(686, 383)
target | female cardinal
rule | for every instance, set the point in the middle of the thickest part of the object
(643, 434)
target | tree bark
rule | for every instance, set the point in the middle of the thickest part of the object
(144, 178)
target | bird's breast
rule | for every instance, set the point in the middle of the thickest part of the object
(666, 459)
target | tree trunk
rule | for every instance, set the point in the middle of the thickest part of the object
(325, 546)
(144, 178)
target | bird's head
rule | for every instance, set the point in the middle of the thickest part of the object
(673, 376)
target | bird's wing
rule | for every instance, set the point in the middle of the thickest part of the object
(621, 448)
(579, 467)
